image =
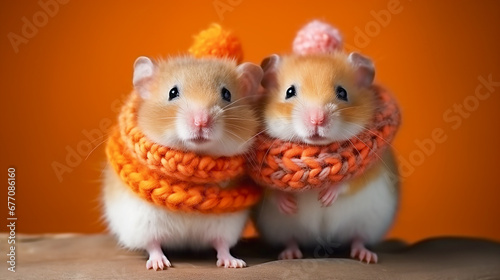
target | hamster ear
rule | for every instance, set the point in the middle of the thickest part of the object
(365, 70)
(144, 70)
(270, 67)
(249, 77)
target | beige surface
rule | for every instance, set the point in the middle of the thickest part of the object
(98, 257)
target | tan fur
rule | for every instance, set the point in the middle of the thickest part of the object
(199, 83)
(315, 78)
(386, 164)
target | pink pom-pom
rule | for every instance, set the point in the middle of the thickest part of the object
(317, 37)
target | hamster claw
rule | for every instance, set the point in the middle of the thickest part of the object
(289, 254)
(359, 251)
(328, 196)
(158, 263)
(230, 262)
(157, 260)
(292, 251)
(287, 203)
(224, 257)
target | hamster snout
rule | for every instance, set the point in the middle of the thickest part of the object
(316, 117)
(200, 120)
(198, 126)
(316, 121)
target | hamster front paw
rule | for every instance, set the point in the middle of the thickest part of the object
(328, 195)
(287, 204)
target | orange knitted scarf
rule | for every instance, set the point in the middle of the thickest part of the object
(175, 179)
(291, 166)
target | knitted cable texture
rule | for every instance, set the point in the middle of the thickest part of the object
(175, 179)
(290, 166)
(185, 166)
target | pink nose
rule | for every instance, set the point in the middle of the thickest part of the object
(201, 119)
(317, 117)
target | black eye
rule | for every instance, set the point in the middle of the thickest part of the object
(290, 92)
(226, 94)
(341, 93)
(174, 93)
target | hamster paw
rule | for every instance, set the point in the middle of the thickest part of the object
(292, 251)
(286, 203)
(328, 195)
(359, 251)
(230, 262)
(158, 262)
(290, 254)
(157, 259)
(224, 257)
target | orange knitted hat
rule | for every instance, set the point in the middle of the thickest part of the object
(175, 179)
(292, 166)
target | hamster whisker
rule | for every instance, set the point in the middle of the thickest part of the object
(228, 108)
(364, 178)
(375, 134)
(99, 141)
(235, 135)
(376, 154)
(104, 136)
(252, 159)
(253, 137)
(170, 118)
(348, 139)
(238, 100)
(238, 127)
(282, 118)
(88, 155)
(289, 139)
(267, 152)
(235, 118)
(352, 107)
(161, 105)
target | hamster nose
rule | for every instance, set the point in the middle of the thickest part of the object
(201, 119)
(317, 117)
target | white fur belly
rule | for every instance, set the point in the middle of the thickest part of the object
(137, 222)
(367, 215)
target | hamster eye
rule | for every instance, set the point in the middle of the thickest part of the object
(226, 94)
(341, 93)
(174, 93)
(290, 92)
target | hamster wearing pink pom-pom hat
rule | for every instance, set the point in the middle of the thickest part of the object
(318, 97)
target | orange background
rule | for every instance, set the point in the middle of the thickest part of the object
(69, 77)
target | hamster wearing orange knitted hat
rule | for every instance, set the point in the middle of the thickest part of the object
(176, 158)
(326, 152)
